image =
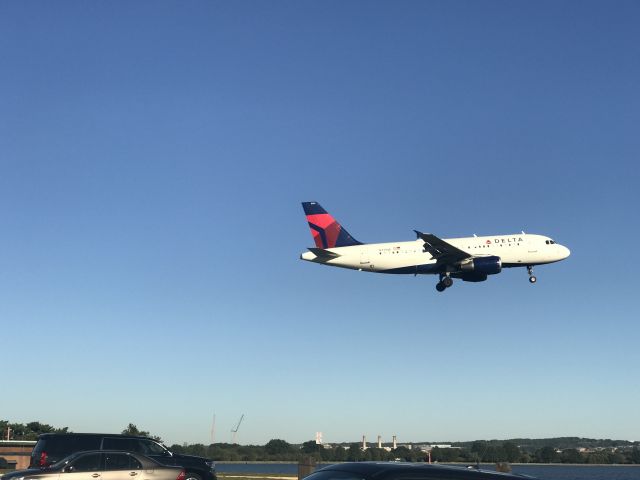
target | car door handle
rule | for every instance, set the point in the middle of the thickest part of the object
(133, 474)
(95, 475)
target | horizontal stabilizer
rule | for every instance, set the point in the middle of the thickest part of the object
(321, 252)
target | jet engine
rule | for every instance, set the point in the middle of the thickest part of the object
(481, 266)
(470, 277)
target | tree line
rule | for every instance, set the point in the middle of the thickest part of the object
(551, 450)
(27, 431)
(479, 451)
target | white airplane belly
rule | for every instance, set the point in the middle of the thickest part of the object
(390, 262)
(523, 256)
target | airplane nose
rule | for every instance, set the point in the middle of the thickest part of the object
(564, 251)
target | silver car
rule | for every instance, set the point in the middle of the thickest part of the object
(101, 465)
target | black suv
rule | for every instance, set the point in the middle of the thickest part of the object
(52, 447)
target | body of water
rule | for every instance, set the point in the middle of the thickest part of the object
(542, 472)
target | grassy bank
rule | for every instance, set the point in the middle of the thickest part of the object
(255, 476)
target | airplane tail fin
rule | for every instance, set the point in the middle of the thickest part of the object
(325, 229)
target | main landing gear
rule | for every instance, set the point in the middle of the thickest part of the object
(445, 282)
(532, 278)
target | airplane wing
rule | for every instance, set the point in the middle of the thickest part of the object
(440, 250)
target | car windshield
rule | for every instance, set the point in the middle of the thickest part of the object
(149, 447)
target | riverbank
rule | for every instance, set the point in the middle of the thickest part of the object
(257, 476)
(632, 465)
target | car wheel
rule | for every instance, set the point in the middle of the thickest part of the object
(192, 476)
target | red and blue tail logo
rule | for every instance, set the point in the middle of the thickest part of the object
(325, 229)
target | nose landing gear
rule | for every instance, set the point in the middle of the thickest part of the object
(532, 278)
(445, 282)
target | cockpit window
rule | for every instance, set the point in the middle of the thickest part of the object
(549, 242)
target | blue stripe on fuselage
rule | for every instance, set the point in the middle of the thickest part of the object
(426, 268)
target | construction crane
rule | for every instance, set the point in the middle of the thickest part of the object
(234, 432)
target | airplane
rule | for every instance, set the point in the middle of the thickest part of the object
(470, 259)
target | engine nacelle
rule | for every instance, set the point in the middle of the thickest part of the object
(472, 277)
(482, 265)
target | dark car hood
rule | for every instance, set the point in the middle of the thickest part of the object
(192, 458)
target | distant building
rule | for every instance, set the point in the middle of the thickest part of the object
(17, 452)
(428, 448)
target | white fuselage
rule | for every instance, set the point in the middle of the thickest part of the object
(404, 257)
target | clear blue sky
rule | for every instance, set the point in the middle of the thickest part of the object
(153, 157)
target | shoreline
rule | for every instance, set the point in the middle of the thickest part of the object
(293, 462)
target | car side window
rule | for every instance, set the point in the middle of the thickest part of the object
(114, 443)
(62, 445)
(121, 461)
(91, 462)
(86, 442)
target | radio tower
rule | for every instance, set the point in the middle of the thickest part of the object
(213, 430)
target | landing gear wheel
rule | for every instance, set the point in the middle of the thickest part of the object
(440, 287)
(532, 278)
(447, 282)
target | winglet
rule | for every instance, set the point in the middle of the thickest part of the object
(427, 237)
